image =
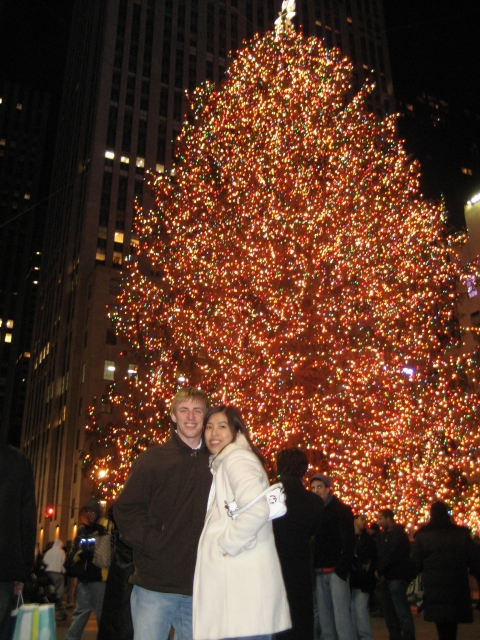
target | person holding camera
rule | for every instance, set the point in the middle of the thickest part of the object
(80, 564)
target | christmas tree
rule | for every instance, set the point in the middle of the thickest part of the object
(293, 269)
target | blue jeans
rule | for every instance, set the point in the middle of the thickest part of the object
(361, 615)
(89, 598)
(396, 609)
(153, 613)
(334, 607)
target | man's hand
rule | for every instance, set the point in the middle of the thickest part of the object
(17, 588)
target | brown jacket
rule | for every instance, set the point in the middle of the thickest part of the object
(160, 514)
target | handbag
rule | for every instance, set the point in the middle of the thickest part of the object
(35, 622)
(276, 500)
(14, 616)
(102, 555)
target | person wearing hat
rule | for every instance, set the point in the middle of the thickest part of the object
(444, 552)
(334, 550)
(79, 563)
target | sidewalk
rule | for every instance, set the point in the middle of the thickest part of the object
(424, 630)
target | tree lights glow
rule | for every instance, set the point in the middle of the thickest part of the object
(292, 268)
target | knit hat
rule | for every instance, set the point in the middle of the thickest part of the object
(322, 478)
(439, 511)
(94, 505)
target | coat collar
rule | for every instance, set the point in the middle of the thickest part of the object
(239, 443)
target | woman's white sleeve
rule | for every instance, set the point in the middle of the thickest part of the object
(247, 479)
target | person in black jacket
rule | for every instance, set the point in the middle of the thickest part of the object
(293, 533)
(362, 578)
(18, 531)
(444, 552)
(79, 563)
(160, 515)
(334, 547)
(394, 572)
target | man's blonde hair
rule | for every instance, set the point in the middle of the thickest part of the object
(189, 393)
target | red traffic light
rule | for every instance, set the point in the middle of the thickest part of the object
(50, 513)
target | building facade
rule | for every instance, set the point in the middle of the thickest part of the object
(23, 130)
(129, 64)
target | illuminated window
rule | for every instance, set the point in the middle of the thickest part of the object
(100, 255)
(9, 324)
(8, 337)
(109, 370)
(2, 142)
(1, 322)
(117, 258)
(26, 196)
(132, 370)
(409, 107)
(118, 237)
(160, 168)
(109, 155)
(19, 106)
(125, 160)
(140, 162)
(466, 171)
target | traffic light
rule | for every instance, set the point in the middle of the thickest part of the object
(50, 513)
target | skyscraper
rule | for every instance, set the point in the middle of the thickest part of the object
(129, 64)
(23, 129)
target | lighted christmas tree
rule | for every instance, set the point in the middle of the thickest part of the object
(292, 268)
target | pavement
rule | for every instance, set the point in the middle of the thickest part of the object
(424, 630)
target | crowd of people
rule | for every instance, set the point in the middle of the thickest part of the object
(184, 560)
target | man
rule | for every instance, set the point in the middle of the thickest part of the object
(79, 563)
(293, 533)
(362, 578)
(334, 549)
(160, 515)
(53, 560)
(18, 530)
(394, 573)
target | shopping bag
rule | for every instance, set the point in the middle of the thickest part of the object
(46, 622)
(26, 627)
(14, 615)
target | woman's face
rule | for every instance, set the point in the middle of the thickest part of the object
(217, 433)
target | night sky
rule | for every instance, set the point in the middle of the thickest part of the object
(434, 45)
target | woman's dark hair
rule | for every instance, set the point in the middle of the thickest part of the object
(292, 462)
(236, 425)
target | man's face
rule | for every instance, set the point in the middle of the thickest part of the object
(383, 521)
(88, 516)
(360, 523)
(320, 489)
(188, 417)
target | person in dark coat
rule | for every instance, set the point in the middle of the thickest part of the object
(18, 531)
(444, 552)
(362, 578)
(394, 573)
(79, 563)
(334, 549)
(293, 533)
(116, 621)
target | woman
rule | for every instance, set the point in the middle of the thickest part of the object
(444, 552)
(238, 591)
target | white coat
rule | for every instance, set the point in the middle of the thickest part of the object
(238, 587)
